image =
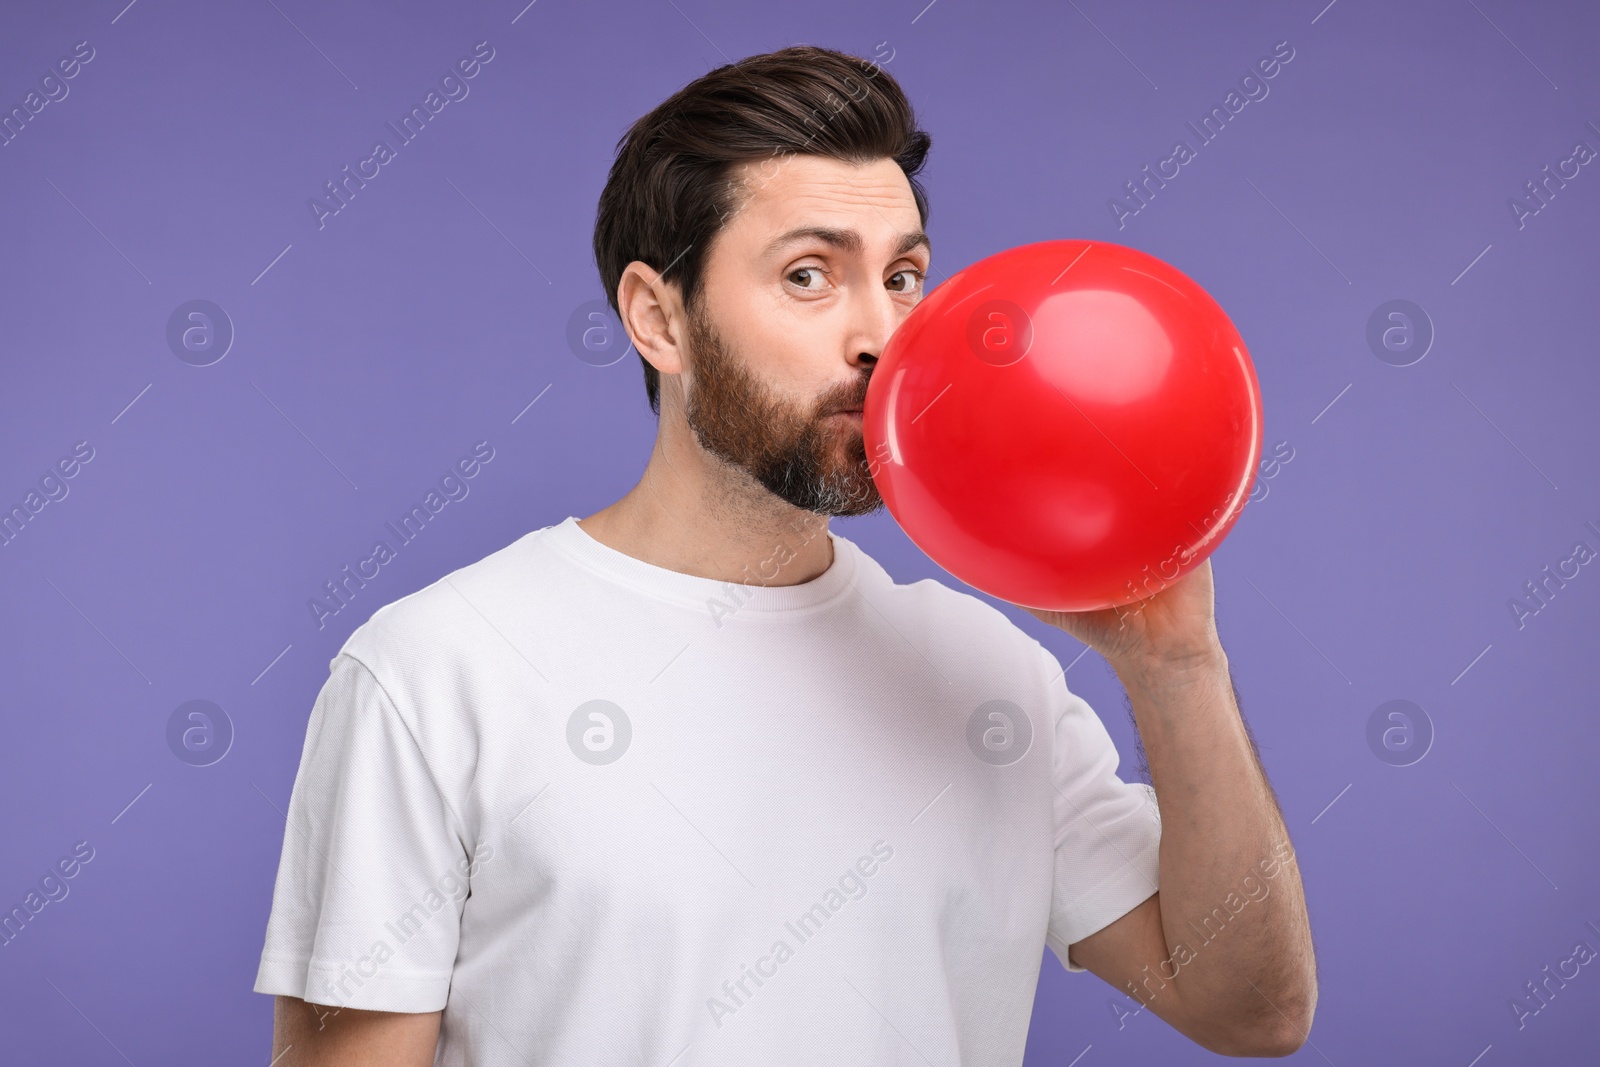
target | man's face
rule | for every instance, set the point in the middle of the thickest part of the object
(788, 330)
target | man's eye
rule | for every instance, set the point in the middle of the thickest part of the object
(818, 271)
(919, 277)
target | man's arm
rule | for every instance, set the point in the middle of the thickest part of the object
(1223, 952)
(317, 1035)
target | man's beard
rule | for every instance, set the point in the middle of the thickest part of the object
(799, 453)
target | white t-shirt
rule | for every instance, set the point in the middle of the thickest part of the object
(601, 812)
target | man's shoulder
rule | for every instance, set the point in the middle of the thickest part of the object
(451, 613)
(949, 614)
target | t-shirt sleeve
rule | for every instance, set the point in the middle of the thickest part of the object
(367, 905)
(1107, 830)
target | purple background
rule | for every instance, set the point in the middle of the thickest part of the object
(1377, 564)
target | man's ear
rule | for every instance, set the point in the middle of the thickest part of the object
(652, 313)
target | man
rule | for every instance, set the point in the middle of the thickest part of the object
(693, 780)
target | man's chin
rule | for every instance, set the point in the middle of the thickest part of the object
(860, 498)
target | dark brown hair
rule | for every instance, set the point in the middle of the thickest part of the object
(671, 187)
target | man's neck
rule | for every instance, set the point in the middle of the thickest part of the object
(694, 515)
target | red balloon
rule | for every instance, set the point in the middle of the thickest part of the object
(1065, 425)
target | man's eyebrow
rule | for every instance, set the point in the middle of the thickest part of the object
(847, 240)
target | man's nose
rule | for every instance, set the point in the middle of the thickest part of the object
(881, 316)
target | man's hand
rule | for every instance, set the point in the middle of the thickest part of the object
(1175, 627)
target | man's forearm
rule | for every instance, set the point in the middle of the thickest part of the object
(1238, 935)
